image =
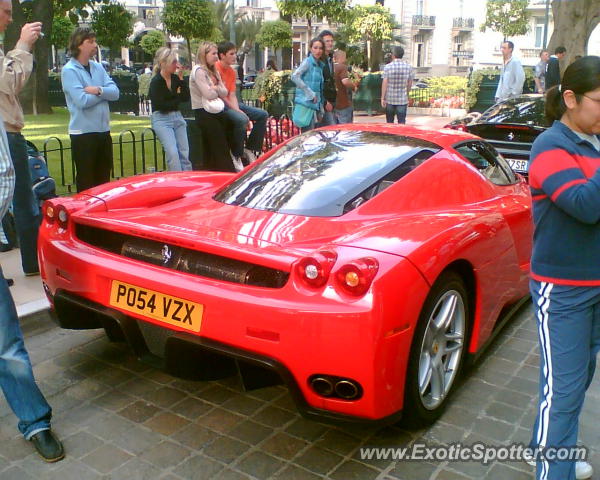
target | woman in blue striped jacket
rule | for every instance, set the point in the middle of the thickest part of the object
(308, 78)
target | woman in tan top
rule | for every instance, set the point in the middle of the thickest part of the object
(206, 83)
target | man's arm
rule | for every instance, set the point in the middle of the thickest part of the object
(384, 87)
(16, 66)
(110, 91)
(74, 88)
(7, 172)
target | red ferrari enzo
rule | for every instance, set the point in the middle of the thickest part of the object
(359, 264)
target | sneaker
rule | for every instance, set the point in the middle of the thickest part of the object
(583, 470)
(248, 157)
(237, 163)
(48, 446)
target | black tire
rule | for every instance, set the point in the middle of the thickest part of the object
(424, 409)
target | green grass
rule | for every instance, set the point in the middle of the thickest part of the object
(40, 129)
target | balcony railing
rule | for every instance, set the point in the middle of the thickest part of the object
(423, 21)
(463, 22)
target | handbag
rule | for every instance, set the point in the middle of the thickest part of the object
(216, 105)
(302, 116)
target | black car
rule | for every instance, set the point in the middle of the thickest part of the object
(510, 126)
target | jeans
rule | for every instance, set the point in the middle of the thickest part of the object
(25, 209)
(344, 115)
(238, 121)
(16, 376)
(327, 119)
(171, 130)
(93, 157)
(395, 110)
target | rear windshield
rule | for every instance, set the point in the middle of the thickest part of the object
(517, 110)
(327, 173)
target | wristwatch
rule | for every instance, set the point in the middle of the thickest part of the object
(99, 91)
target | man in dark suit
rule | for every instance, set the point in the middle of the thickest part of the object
(553, 68)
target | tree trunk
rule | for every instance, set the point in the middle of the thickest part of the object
(286, 53)
(376, 55)
(574, 21)
(42, 11)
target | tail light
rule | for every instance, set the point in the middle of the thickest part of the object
(56, 214)
(314, 270)
(356, 277)
(49, 212)
(460, 126)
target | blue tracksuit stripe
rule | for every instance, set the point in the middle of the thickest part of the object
(545, 351)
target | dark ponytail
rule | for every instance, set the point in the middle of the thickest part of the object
(581, 76)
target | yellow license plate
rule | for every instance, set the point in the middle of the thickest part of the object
(158, 306)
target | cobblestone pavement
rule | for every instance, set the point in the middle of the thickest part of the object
(121, 419)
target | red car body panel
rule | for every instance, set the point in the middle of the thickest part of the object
(445, 212)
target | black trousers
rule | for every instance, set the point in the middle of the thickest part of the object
(93, 157)
(216, 147)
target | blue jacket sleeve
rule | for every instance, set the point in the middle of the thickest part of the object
(110, 91)
(73, 87)
(297, 79)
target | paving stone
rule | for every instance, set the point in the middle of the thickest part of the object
(228, 474)
(338, 442)
(139, 411)
(137, 439)
(135, 469)
(165, 454)
(293, 472)
(259, 464)
(221, 420)
(352, 470)
(443, 433)
(274, 416)
(198, 467)
(165, 397)
(420, 470)
(72, 471)
(215, 394)
(112, 376)
(110, 427)
(191, 408)
(523, 385)
(194, 436)
(306, 429)
(242, 404)
(166, 423)
(500, 471)
(106, 458)
(250, 432)
(226, 449)
(15, 473)
(495, 429)
(318, 460)
(501, 411)
(80, 444)
(113, 400)
(283, 445)
(449, 475)
(138, 386)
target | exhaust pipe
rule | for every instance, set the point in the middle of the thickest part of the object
(321, 385)
(346, 389)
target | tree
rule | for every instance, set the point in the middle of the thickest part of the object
(61, 31)
(371, 24)
(509, 17)
(574, 22)
(275, 34)
(152, 41)
(222, 12)
(112, 23)
(249, 29)
(334, 10)
(189, 19)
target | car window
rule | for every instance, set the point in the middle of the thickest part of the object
(517, 110)
(488, 161)
(327, 173)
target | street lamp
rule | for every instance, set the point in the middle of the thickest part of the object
(544, 43)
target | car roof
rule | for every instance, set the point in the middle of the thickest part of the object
(445, 137)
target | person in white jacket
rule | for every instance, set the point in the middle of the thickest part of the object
(512, 77)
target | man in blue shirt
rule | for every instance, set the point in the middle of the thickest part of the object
(512, 77)
(88, 89)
